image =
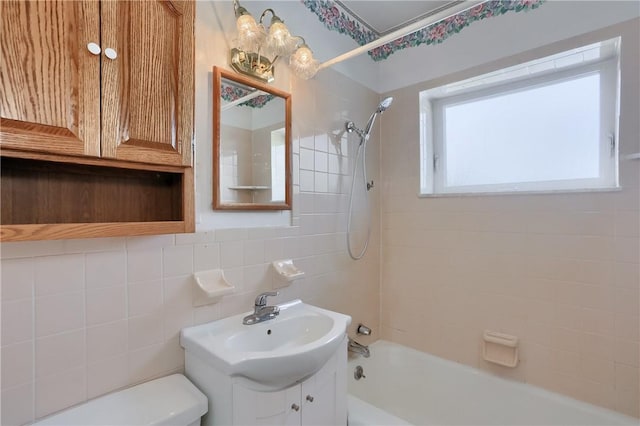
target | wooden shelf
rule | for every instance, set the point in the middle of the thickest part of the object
(54, 200)
(63, 231)
(249, 188)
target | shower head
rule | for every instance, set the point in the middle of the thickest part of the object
(382, 107)
(364, 134)
(386, 103)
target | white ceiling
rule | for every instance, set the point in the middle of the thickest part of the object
(383, 17)
(555, 20)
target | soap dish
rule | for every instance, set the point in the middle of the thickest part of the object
(210, 286)
(500, 348)
(287, 270)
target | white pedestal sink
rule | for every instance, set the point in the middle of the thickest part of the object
(273, 354)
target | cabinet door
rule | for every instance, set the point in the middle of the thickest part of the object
(324, 395)
(319, 397)
(147, 89)
(252, 407)
(49, 81)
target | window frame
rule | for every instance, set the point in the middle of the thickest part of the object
(278, 143)
(433, 147)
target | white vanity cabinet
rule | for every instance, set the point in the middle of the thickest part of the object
(319, 400)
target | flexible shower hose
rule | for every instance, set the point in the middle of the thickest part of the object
(362, 150)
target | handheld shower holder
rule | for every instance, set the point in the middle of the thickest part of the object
(351, 127)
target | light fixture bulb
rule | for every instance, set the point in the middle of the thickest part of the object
(279, 41)
(303, 63)
(250, 34)
(256, 45)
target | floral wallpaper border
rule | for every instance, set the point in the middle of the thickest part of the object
(231, 93)
(336, 19)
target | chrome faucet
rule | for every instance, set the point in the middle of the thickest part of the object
(357, 348)
(262, 312)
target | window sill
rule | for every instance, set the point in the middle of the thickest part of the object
(501, 193)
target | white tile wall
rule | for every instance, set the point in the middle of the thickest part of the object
(20, 328)
(60, 390)
(105, 269)
(20, 357)
(560, 271)
(59, 274)
(307, 181)
(106, 341)
(321, 181)
(20, 284)
(60, 352)
(59, 313)
(107, 374)
(106, 304)
(21, 400)
(206, 256)
(144, 265)
(177, 261)
(144, 298)
(81, 318)
(307, 159)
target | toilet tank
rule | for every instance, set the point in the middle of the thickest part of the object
(171, 400)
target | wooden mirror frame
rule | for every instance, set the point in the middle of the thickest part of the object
(218, 75)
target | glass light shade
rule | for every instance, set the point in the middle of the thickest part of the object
(279, 40)
(250, 34)
(303, 63)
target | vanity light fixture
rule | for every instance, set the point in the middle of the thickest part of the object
(256, 44)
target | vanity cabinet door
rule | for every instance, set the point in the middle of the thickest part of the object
(320, 400)
(49, 78)
(147, 81)
(266, 408)
(324, 394)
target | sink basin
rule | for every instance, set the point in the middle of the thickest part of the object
(274, 354)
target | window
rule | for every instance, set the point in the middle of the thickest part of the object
(278, 178)
(545, 125)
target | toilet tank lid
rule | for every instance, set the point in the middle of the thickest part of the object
(171, 400)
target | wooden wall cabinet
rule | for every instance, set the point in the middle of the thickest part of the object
(59, 97)
(89, 91)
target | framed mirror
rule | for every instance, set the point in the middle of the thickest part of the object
(251, 144)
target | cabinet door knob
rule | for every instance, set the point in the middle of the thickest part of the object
(110, 53)
(295, 407)
(309, 398)
(94, 48)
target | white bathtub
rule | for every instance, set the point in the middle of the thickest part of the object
(404, 386)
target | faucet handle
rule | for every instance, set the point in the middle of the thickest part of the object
(261, 300)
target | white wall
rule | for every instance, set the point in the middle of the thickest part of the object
(500, 36)
(215, 22)
(560, 271)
